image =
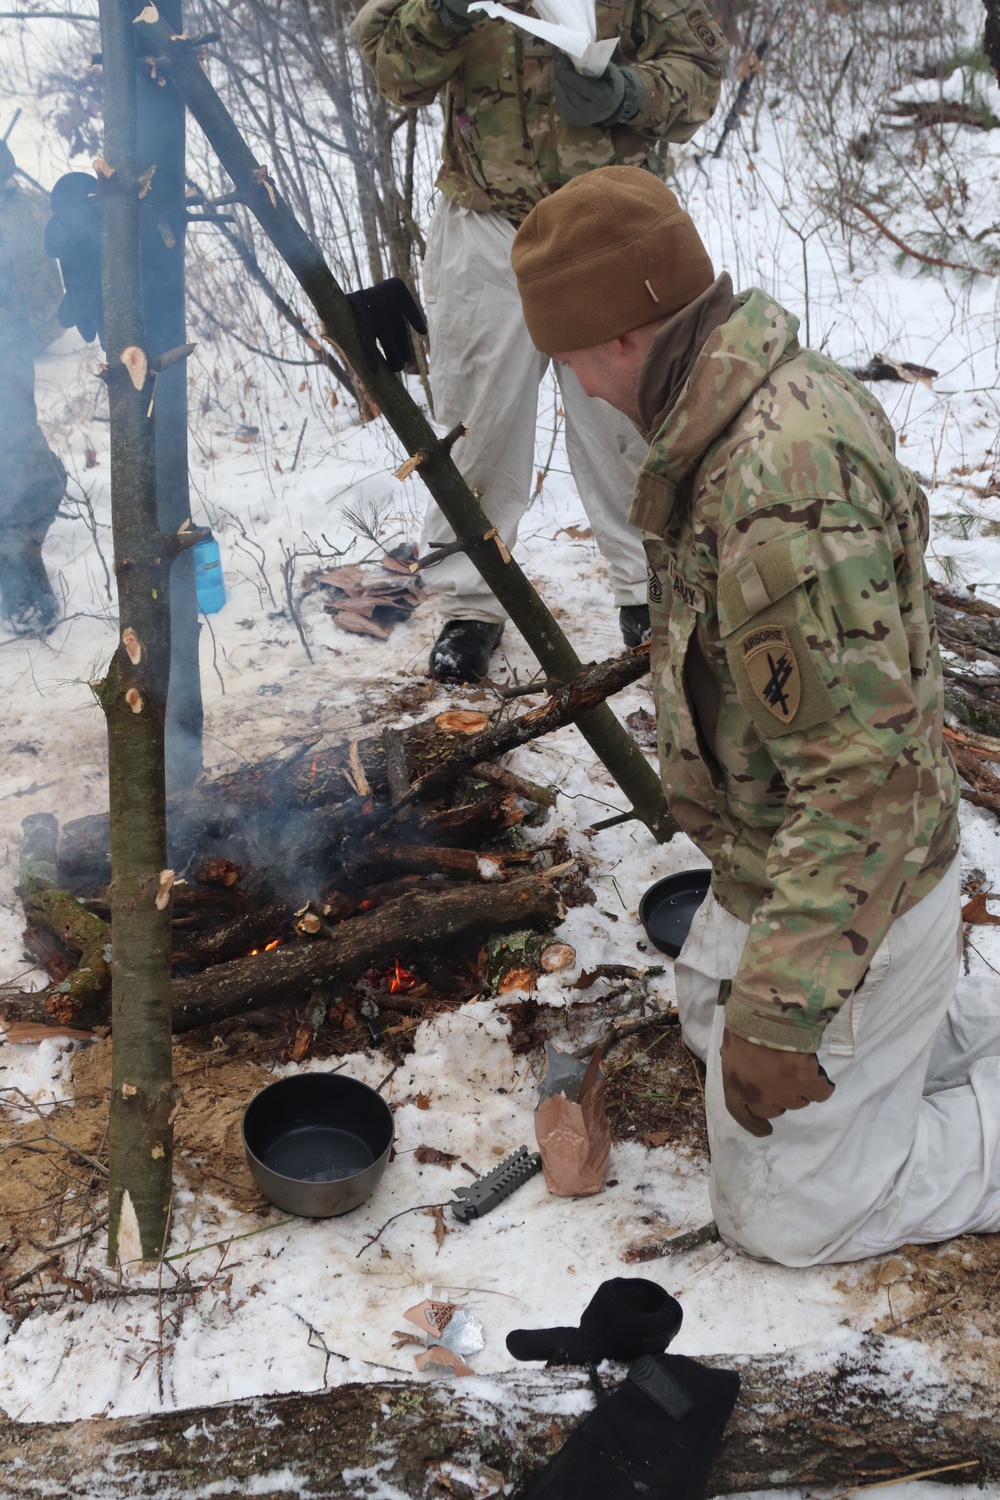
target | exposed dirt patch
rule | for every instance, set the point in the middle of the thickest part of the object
(656, 1093)
(54, 1190)
(928, 1291)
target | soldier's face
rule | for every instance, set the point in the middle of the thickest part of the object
(610, 371)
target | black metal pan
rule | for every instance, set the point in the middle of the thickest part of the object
(668, 907)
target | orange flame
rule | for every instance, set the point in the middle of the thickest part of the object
(398, 979)
(276, 943)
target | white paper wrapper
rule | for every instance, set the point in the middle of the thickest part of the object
(570, 25)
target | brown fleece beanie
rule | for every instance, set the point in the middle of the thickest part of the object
(611, 251)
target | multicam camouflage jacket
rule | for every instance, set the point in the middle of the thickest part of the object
(795, 665)
(505, 146)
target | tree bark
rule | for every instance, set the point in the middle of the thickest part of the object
(853, 1422)
(133, 696)
(600, 728)
(160, 123)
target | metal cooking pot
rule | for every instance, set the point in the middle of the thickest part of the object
(317, 1143)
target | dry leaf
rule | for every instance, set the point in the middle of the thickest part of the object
(520, 977)
(303, 1041)
(975, 911)
(576, 533)
(423, 1101)
(430, 1156)
(90, 458)
(557, 956)
(440, 1227)
(149, 14)
(462, 721)
(655, 1138)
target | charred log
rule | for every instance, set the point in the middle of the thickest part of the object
(410, 923)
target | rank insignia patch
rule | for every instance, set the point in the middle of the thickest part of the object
(772, 670)
(654, 590)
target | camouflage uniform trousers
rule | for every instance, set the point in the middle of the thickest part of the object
(485, 372)
(907, 1149)
(32, 477)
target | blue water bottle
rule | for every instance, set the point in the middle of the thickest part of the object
(208, 581)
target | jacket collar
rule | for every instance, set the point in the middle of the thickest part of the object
(738, 355)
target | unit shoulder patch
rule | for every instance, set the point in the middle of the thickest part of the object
(772, 670)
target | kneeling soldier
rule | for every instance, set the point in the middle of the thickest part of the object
(853, 1088)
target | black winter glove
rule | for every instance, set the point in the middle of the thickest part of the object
(73, 237)
(626, 1317)
(455, 14)
(613, 98)
(382, 313)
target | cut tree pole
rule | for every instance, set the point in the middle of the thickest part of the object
(430, 456)
(848, 1424)
(161, 122)
(133, 696)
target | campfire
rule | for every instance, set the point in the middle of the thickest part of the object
(364, 885)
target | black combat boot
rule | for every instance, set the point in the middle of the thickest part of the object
(27, 604)
(634, 622)
(462, 651)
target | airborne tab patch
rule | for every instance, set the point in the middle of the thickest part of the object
(772, 670)
(704, 28)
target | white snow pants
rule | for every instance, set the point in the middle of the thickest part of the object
(907, 1149)
(485, 371)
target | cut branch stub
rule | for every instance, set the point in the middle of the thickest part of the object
(134, 649)
(137, 365)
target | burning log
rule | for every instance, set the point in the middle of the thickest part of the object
(312, 797)
(419, 919)
(410, 923)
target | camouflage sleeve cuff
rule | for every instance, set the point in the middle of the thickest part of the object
(767, 1025)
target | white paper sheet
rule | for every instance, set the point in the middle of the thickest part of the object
(570, 25)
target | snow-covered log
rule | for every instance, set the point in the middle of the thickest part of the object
(873, 1411)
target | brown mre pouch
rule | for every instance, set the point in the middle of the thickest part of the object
(571, 1125)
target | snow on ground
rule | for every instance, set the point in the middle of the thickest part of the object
(536, 1259)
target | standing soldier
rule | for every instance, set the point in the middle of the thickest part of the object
(520, 122)
(32, 478)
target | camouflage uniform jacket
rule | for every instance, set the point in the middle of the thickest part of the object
(505, 146)
(795, 665)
